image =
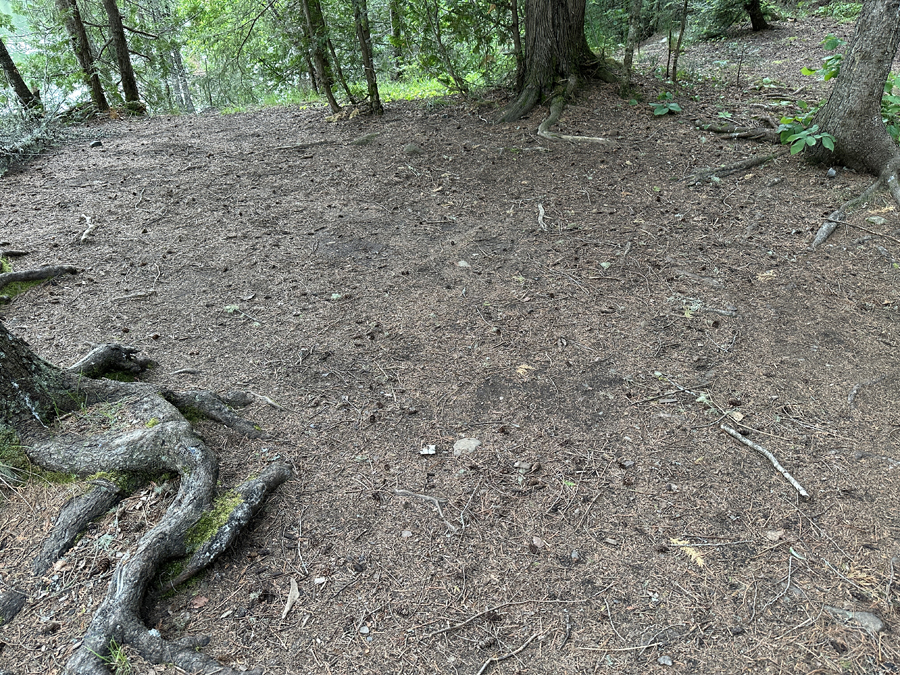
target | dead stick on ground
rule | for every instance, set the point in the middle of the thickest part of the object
(498, 659)
(804, 495)
(853, 392)
(619, 649)
(91, 226)
(865, 229)
(433, 500)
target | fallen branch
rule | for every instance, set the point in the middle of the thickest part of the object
(804, 495)
(428, 498)
(509, 655)
(91, 226)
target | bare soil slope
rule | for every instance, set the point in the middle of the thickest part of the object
(393, 300)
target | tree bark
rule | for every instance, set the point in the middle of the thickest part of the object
(28, 100)
(82, 48)
(123, 58)
(364, 36)
(634, 27)
(396, 17)
(555, 49)
(516, 31)
(757, 19)
(315, 24)
(853, 111)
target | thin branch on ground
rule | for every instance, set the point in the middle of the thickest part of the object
(853, 392)
(37, 274)
(433, 500)
(804, 495)
(509, 655)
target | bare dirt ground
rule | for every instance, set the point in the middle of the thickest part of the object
(395, 300)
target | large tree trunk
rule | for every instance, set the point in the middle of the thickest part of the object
(555, 49)
(853, 111)
(757, 19)
(82, 48)
(26, 98)
(123, 58)
(364, 36)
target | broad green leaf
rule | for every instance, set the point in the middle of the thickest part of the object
(798, 146)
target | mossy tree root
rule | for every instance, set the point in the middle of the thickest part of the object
(168, 445)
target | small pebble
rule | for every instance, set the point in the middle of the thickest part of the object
(664, 660)
(96, 144)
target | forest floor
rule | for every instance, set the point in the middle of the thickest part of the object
(395, 300)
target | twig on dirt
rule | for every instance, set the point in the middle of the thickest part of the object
(568, 630)
(134, 296)
(619, 649)
(12, 253)
(433, 500)
(509, 655)
(140, 199)
(837, 218)
(853, 392)
(38, 274)
(865, 229)
(838, 572)
(268, 401)
(890, 582)
(804, 495)
(185, 371)
(91, 226)
(541, 217)
(784, 590)
(609, 616)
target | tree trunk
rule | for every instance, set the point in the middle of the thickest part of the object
(187, 102)
(82, 48)
(516, 31)
(555, 49)
(757, 20)
(315, 25)
(853, 111)
(28, 100)
(361, 22)
(396, 38)
(123, 58)
(634, 27)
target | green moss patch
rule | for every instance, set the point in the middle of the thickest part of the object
(211, 520)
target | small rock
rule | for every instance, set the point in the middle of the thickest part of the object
(406, 534)
(364, 139)
(96, 144)
(463, 263)
(831, 173)
(428, 450)
(664, 660)
(671, 487)
(465, 446)
(318, 581)
(363, 630)
(866, 620)
(611, 541)
(412, 149)
(575, 556)
(876, 220)
(626, 463)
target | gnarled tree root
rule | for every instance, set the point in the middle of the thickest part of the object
(556, 108)
(721, 171)
(150, 437)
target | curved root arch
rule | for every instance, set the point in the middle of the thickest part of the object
(161, 441)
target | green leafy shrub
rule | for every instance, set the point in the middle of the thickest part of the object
(665, 105)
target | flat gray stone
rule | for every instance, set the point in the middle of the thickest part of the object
(465, 446)
(412, 149)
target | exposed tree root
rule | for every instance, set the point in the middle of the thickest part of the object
(149, 437)
(38, 274)
(556, 108)
(890, 178)
(719, 172)
(522, 105)
(752, 133)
